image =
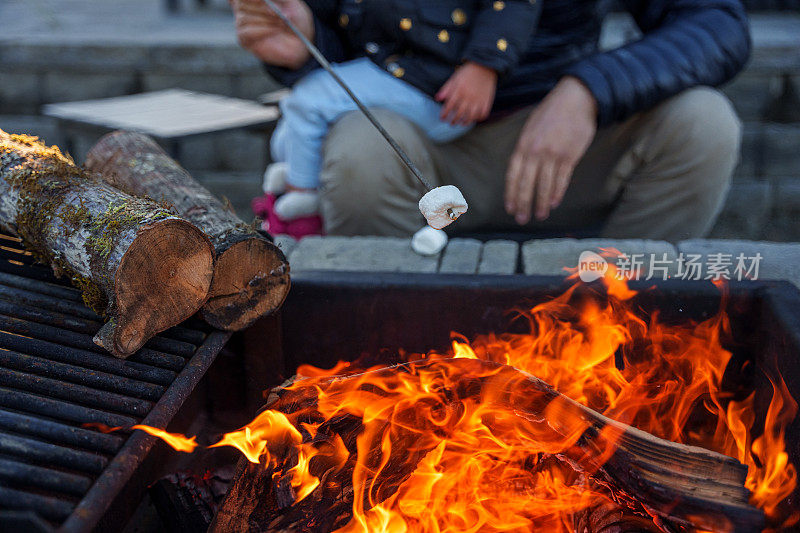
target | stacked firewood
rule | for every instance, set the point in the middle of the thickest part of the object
(148, 246)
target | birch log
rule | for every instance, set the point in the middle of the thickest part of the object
(142, 267)
(251, 274)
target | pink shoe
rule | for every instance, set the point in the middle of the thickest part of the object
(264, 208)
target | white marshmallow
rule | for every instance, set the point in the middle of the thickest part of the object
(428, 241)
(435, 204)
(296, 204)
(275, 178)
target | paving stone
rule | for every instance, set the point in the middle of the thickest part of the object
(285, 243)
(499, 257)
(81, 144)
(550, 257)
(751, 160)
(746, 212)
(781, 156)
(62, 86)
(206, 83)
(77, 52)
(784, 102)
(43, 127)
(20, 92)
(783, 224)
(776, 41)
(251, 86)
(779, 260)
(200, 153)
(242, 150)
(461, 257)
(111, 21)
(197, 59)
(749, 93)
(360, 254)
(238, 188)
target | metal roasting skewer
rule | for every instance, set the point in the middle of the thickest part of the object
(325, 64)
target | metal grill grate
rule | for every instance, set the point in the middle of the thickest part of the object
(54, 379)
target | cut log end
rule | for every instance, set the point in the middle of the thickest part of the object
(251, 280)
(251, 275)
(162, 280)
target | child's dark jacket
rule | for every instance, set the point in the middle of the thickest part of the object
(423, 41)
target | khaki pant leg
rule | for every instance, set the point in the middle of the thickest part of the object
(675, 175)
(477, 164)
(365, 188)
(662, 174)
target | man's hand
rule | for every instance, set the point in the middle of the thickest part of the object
(554, 139)
(468, 94)
(262, 33)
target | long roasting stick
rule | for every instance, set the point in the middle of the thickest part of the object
(324, 63)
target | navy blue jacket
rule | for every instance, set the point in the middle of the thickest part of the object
(685, 43)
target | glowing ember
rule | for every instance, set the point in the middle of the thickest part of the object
(475, 467)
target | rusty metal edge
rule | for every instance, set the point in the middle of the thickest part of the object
(95, 503)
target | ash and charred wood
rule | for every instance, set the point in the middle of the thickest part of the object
(670, 486)
(142, 267)
(251, 274)
(614, 518)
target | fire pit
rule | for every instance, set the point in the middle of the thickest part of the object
(331, 317)
(751, 352)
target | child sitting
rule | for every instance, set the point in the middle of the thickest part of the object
(434, 62)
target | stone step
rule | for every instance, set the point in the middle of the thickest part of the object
(761, 209)
(730, 259)
(770, 149)
(231, 151)
(390, 254)
(55, 54)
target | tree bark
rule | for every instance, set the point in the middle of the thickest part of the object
(671, 486)
(251, 274)
(142, 267)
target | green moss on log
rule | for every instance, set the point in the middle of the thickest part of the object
(42, 176)
(105, 230)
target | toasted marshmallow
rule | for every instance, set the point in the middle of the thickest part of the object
(435, 205)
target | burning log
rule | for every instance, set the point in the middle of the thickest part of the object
(251, 274)
(354, 461)
(612, 518)
(144, 268)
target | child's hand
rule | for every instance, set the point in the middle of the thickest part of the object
(468, 95)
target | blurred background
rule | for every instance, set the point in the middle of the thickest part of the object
(54, 51)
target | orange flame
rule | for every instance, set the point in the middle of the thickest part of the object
(252, 440)
(472, 466)
(179, 442)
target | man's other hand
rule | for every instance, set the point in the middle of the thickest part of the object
(261, 32)
(555, 137)
(468, 95)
